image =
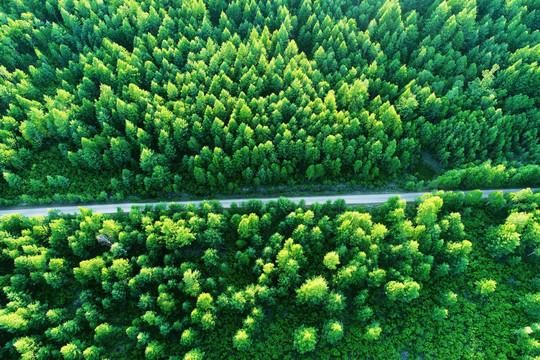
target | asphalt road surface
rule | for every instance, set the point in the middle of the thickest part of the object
(353, 199)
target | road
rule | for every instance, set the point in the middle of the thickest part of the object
(352, 199)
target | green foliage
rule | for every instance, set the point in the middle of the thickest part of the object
(439, 314)
(331, 260)
(402, 291)
(241, 340)
(486, 287)
(183, 237)
(188, 337)
(195, 354)
(504, 240)
(27, 347)
(113, 100)
(70, 352)
(249, 226)
(191, 280)
(323, 281)
(305, 339)
(519, 234)
(487, 176)
(448, 298)
(373, 332)
(531, 304)
(313, 291)
(333, 331)
(204, 301)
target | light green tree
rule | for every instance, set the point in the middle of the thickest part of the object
(331, 260)
(313, 291)
(486, 287)
(333, 331)
(305, 339)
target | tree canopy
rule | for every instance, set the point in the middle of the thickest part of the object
(107, 100)
(324, 281)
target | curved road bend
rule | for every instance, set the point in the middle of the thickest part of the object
(355, 199)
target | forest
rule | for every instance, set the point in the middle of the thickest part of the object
(450, 276)
(180, 99)
(119, 99)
